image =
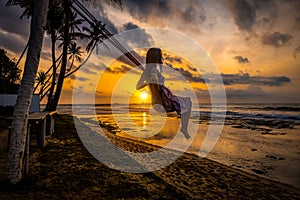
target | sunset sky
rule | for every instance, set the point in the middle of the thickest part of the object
(254, 44)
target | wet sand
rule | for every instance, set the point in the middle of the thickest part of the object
(264, 147)
(64, 169)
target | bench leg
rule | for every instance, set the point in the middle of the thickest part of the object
(50, 125)
(41, 136)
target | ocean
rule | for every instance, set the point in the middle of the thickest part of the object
(258, 138)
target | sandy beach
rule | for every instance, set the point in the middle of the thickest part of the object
(64, 169)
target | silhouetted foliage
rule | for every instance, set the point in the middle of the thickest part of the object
(9, 74)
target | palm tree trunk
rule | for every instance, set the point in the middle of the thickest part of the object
(53, 40)
(21, 111)
(64, 58)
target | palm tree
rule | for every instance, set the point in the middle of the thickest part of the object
(53, 25)
(61, 21)
(52, 103)
(75, 54)
(18, 137)
(27, 5)
(95, 35)
(42, 79)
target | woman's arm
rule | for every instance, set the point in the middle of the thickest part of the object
(142, 82)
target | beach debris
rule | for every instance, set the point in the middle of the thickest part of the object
(253, 149)
(258, 171)
(274, 157)
(271, 133)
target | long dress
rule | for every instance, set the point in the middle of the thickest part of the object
(161, 95)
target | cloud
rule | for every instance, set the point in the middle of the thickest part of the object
(121, 70)
(188, 75)
(10, 20)
(249, 92)
(130, 25)
(194, 13)
(87, 70)
(172, 58)
(297, 23)
(138, 38)
(166, 12)
(143, 10)
(248, 13)
(82, 79)
(231, 79)
(244, 14)
(242, 60)
(124, 59)
(97, 67)
(100, 13)
(12, 42)
(194, 69)
(296, 51)
(276, 39)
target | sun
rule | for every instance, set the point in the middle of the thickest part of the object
(144, 95)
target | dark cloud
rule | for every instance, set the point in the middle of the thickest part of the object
(189, 76)
(242, 60)
(130, 25)
(138, 38)
(121, 70)
(97, 67)
(10, 20)
(297, 23)
(172, 58)
(12, 42)
(143, 10)
(194, 13)
(276, 39)
(81, 79)
(169, 60)
(192, 68)
(231, 79)
(87, 70)
(296, 51)
(165, 10)
(14, 32)
(100, 13)
(266, 12)
(244, 14)
(249, 92)
(124, 59)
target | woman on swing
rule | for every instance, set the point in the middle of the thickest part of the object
(162, 98)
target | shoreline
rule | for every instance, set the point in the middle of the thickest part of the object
(65, 169)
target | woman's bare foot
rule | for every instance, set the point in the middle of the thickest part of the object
(185, 133)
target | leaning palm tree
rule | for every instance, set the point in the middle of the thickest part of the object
(53, 26)
(67, 38)
(52, 103)
(15, 164)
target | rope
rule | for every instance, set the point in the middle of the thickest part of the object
(105, 32)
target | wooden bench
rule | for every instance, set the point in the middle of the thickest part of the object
(45, 120)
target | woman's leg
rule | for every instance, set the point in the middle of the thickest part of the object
(186, 106)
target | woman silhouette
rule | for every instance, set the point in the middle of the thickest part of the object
(162, 98)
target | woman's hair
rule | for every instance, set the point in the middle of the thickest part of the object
(153, 58)
(154, 55)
